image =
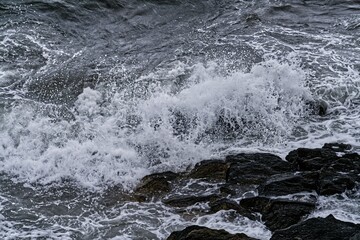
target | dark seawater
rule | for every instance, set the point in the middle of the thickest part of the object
(96, 94)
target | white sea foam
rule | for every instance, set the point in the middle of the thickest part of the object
(342, 207)
(122, 139)
(234, 223)
(120, 133)
(156, 221)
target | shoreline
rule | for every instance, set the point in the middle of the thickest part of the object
(281, 194)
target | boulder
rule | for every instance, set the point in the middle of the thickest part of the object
(255, 204)
(156, 184)
(254, 169)
(324, 182)
(317, 107)
(306, 159)
(336, 174)
(328, 228)
(348, 163)
(285, 184)
(204, 233)
(311, 164)
(353, 156)
(335, 182)
(278, 213)
(210, 170)
(306, 153)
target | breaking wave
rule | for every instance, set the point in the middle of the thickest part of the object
(117, 136)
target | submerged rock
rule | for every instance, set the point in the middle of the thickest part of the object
(185, 201)
(317, 107)
(224, 204)
(204, 233)
(328, 228)
(337, 147)
(116, 194)
(227, 204)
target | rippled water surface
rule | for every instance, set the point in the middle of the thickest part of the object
(96, 94)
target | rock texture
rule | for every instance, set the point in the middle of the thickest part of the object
(327, 228)
(211, 169)
(270, 190)
(278, 213)
(254, 168)
(156, 184)
(204, 233)
(185, 201)
(290, 183)
(227, 204)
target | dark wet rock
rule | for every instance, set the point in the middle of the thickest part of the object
(346, 164)
(156, 184)
(332, 183)
(312, 164)
(265, 158)
(321, 170)
(328, 228)
(204, 233)
(227, 204)
(185, 201)
(307, 153)
(246, 169)
(285, 184)
(223, 204)
(337, 147)
(227, 190)
(333, 178)
(281, 214)
(211, 169)
(236, 190)
(255, 204)
(278, 213)
(353, 156)
(337, 174)
(252, 17)
(317, 107)
(306, 159)
(116, 194)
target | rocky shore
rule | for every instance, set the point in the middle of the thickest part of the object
(262, 187)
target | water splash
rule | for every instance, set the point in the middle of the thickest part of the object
(118, 139)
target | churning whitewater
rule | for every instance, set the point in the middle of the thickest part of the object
(119, 139)
(97, 94)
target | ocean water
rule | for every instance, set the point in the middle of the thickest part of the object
(96, 94)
